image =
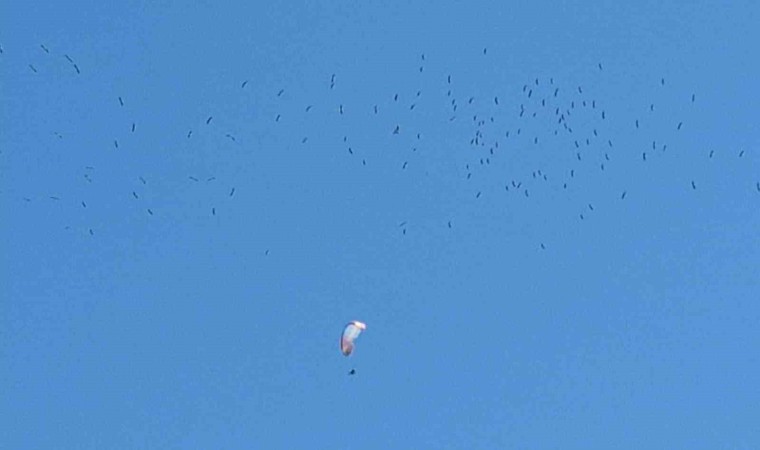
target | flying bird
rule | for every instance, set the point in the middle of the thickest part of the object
(208, 121)
(121, 102)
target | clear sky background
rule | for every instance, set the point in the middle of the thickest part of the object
(214, 321)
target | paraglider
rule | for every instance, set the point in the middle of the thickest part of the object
(352, 331)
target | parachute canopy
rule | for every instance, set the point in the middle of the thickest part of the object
(350, 333)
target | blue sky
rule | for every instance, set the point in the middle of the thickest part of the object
(213, 321)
